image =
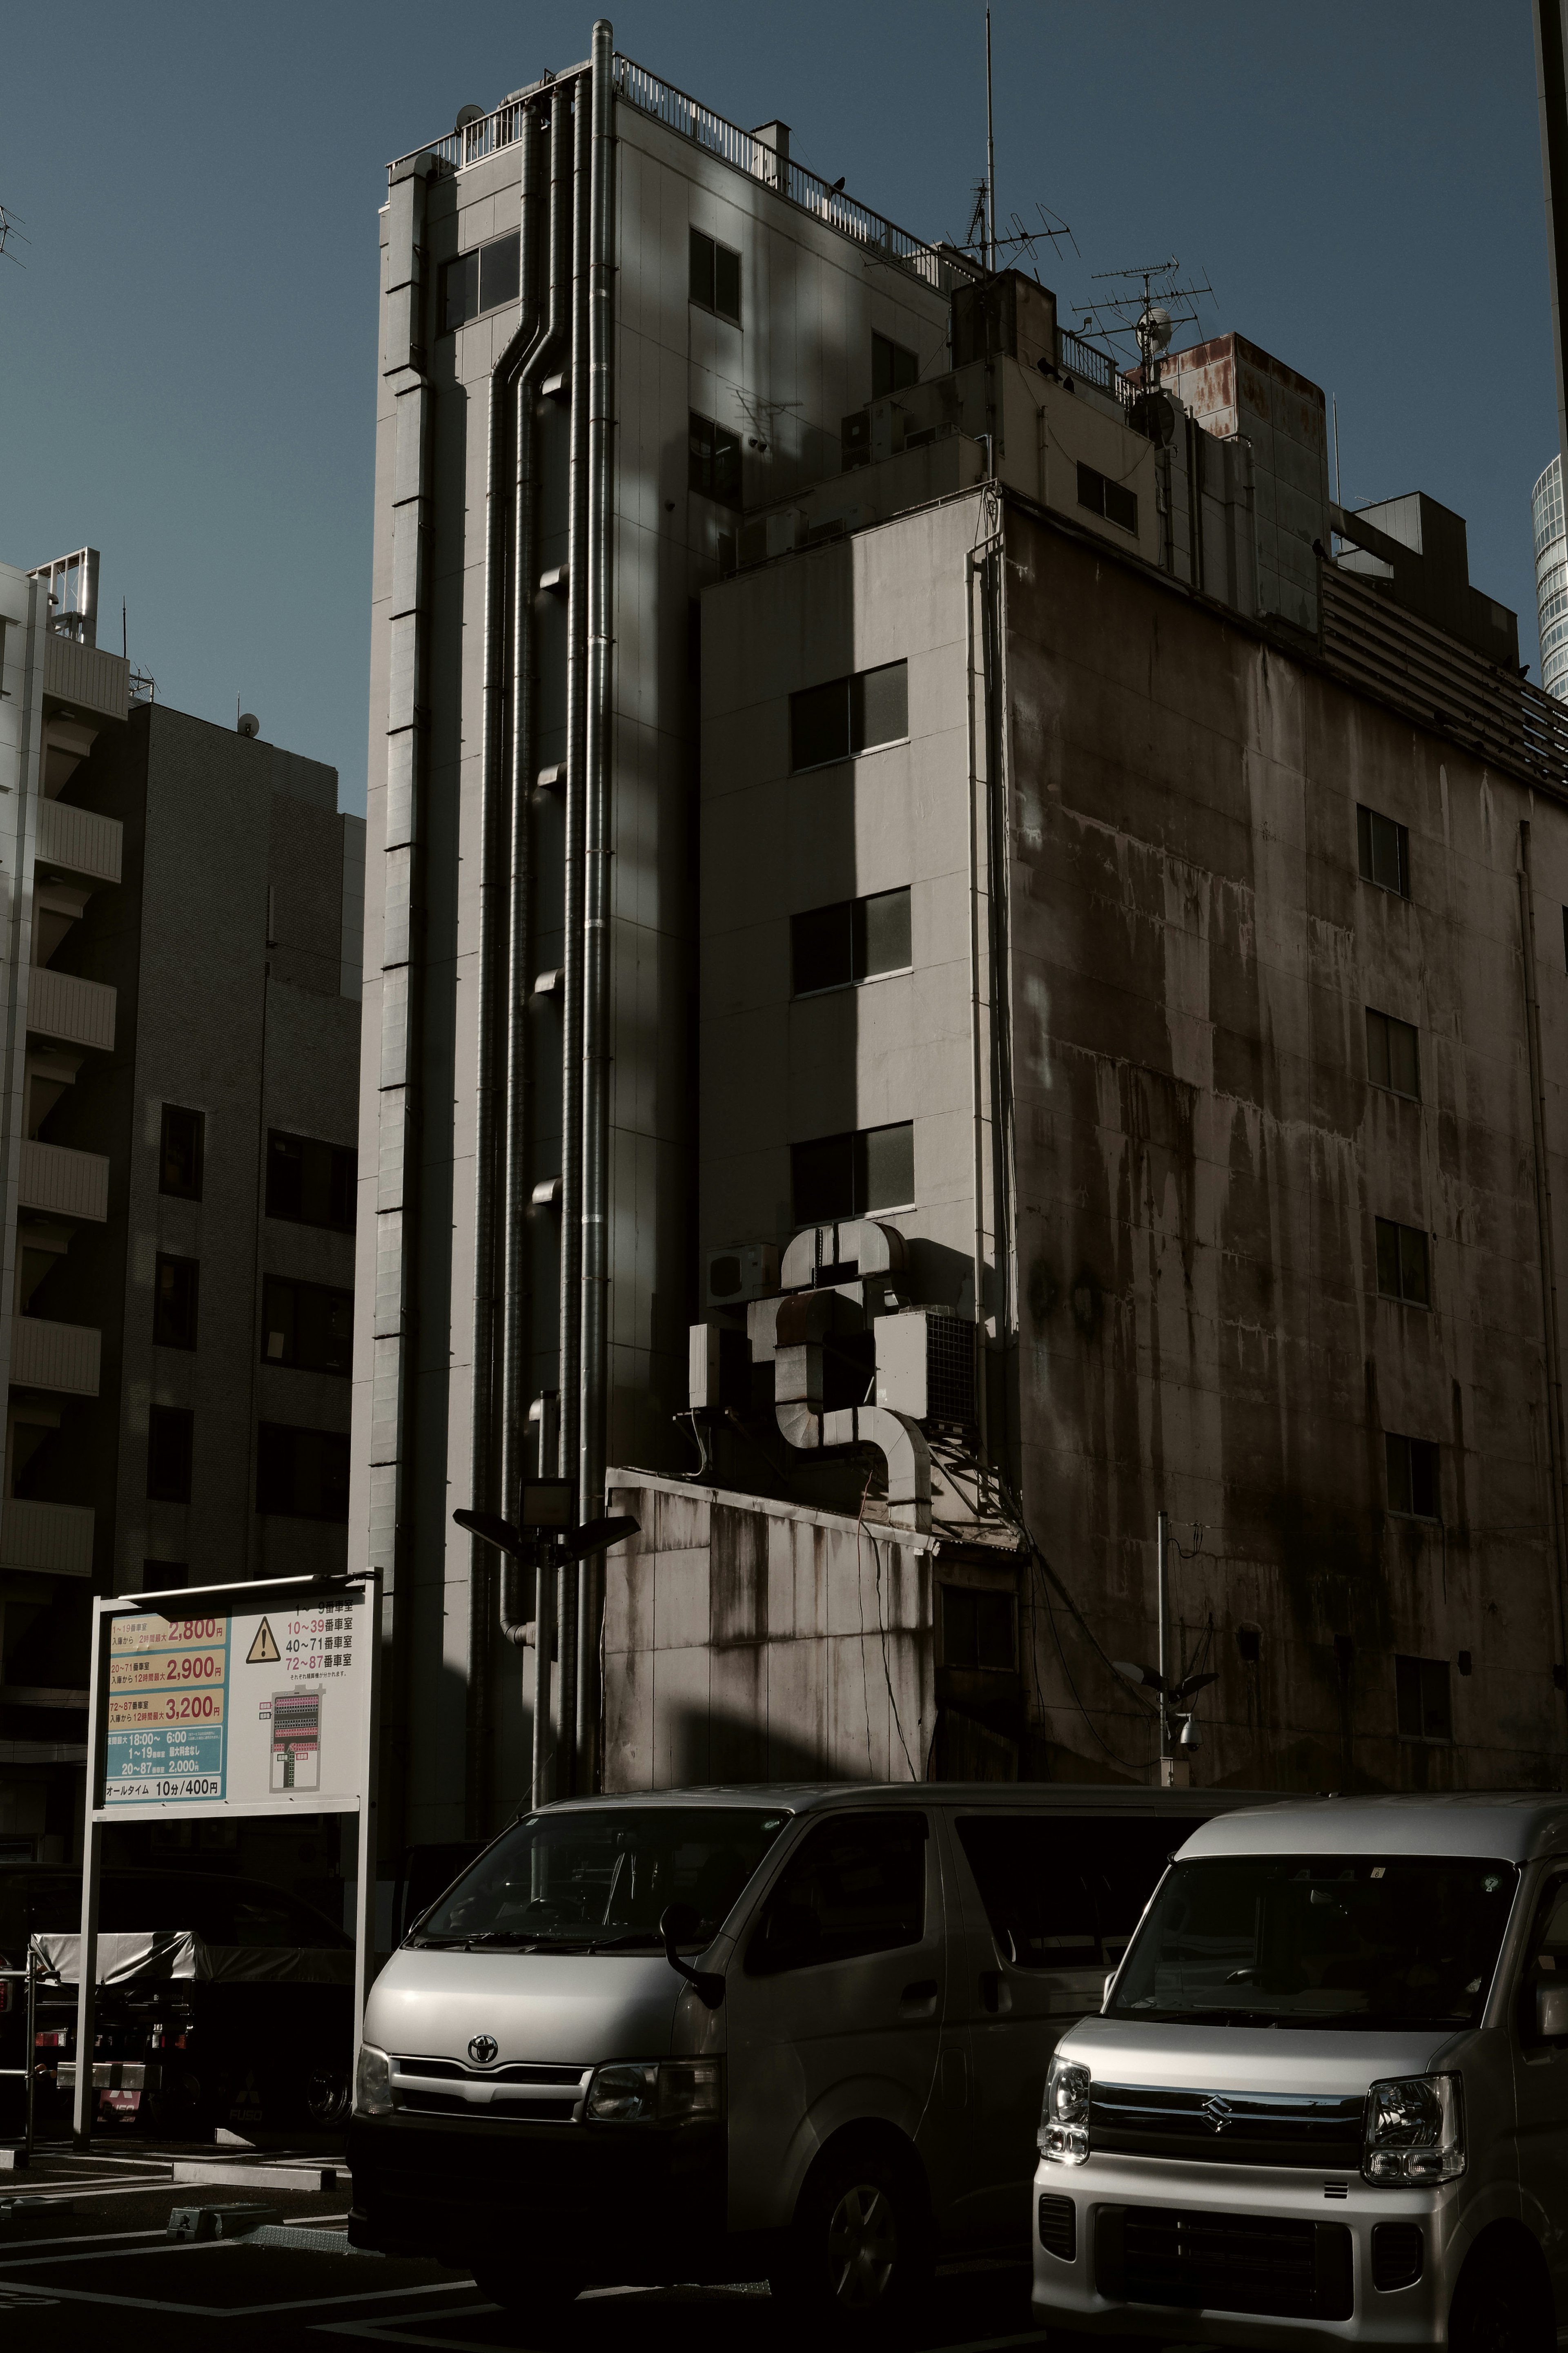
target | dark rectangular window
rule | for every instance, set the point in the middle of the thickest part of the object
(307, 1326)
(892, 367)
(180, 1152)
(713, 465)
(1103, 497)
(853, 1175)
(858, 713)
(1392, 1055)
(1412, 1466)
(169, 1435)
(174, 1302)
(477, 281)
(714, 279)
(302, 1474)
(1384, 850)
(1403, 1263)
(1422, 1699)
(978, 1628)
(855, 1884)
(310, 1183)
(856, 939)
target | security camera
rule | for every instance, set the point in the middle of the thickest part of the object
(1191, 1737)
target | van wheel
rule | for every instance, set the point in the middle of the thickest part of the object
(859, 2254)
(545, 2297)
(1501, 2307)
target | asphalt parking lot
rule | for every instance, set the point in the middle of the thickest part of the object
(86, 2257)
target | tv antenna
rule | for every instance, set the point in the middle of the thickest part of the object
(1018, 241)
(1145, 309)
(11, 226)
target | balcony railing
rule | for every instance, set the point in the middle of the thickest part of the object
(79, 841)
(57, 1357)
(79, 1012)
(64, 1182)
(740, 149)
(53, 1539)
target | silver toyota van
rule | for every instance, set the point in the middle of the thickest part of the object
(1326, 2101)
(718, 2034)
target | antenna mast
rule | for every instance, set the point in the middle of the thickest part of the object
(990, 162)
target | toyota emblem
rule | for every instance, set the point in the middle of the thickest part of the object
(1218, 2112)
(482, 2050)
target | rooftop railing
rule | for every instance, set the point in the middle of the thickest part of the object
(743, 150)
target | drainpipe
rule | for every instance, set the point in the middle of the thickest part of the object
(596, 943)
(1554, 1438)
(566, 1610)
(517, 361)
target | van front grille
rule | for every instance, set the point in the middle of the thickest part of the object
(518, 2109)
(1223, 2263)
(1226, 2127)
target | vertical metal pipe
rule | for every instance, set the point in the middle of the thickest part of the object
(576, 795)
(597, 893)
(1164, 1666)
(518, 1187)
(511, 368)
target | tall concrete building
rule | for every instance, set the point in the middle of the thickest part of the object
(1552, 578)
(942, 977)
(185, 1002)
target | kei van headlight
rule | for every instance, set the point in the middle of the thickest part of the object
(1414, 2129)
(655, 2091)
(1063, 2136)
(372, 2082)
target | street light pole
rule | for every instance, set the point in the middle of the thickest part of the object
(1166, 1759)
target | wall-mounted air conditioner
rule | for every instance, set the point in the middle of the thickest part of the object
(744, 1271)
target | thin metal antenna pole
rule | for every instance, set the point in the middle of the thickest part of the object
(1339, 497)
(1164, 1669)
(990, 162)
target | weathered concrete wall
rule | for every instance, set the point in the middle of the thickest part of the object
(753, 1640)
(1200, 1161)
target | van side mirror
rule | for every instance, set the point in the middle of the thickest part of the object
(681, 1923)
(1550, 2010)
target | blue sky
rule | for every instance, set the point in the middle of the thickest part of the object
(187, 359)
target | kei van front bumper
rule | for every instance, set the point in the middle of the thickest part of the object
(1261, 2257)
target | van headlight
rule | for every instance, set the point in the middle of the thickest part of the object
(654, 2091)
(1414, 2129)
(372, 2082)
(1064, 2118)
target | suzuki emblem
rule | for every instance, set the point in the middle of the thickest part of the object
(1217, 2111)
(483, 2049)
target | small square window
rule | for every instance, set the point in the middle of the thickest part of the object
(1411, 1464)
(1403, 1263)
(822, 948)
(500, 263)
(170, 1431)
(882, 934)
(180, 1152)
(713, 279)
(888, 1181)
(1393, 1055)
(1423, 1699)
(713, 464)
(311, 1182)
(878, 706)
(1103, 497)
(174, 1302)
(1385, 851)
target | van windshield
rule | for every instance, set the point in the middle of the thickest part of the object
(598, 1881)
(1319, 1940)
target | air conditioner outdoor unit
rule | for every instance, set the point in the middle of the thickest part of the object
(744, 1271)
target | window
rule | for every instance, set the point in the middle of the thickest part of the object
(1412, 1466)
(978, 1628)
(310, 1184)
(849, 715)
(1403, 1268)
(1392, 1056)
(713, 466)
(858, 938)
(1385, 851)
(892, 367)
(853, 1175)
(857, 1884)
(477, 281)
(1060, 1893)
(169, 1435)
(302, 1473)
(714, 280)
(307, 1326)
(1112, 500)
(1421, 1696)
(180, 1152)
(175, 1302)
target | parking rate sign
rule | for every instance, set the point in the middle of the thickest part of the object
(168, 1689)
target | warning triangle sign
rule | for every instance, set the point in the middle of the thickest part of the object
(263, 1649)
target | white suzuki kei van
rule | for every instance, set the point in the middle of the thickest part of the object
(719, 2034)
(1326, 2101)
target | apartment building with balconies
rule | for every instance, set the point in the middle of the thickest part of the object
(185, 996)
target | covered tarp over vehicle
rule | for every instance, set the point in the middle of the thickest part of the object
(164, 1954)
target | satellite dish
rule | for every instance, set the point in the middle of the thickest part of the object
(249, 724)
(1154, 329)
(467, 114)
